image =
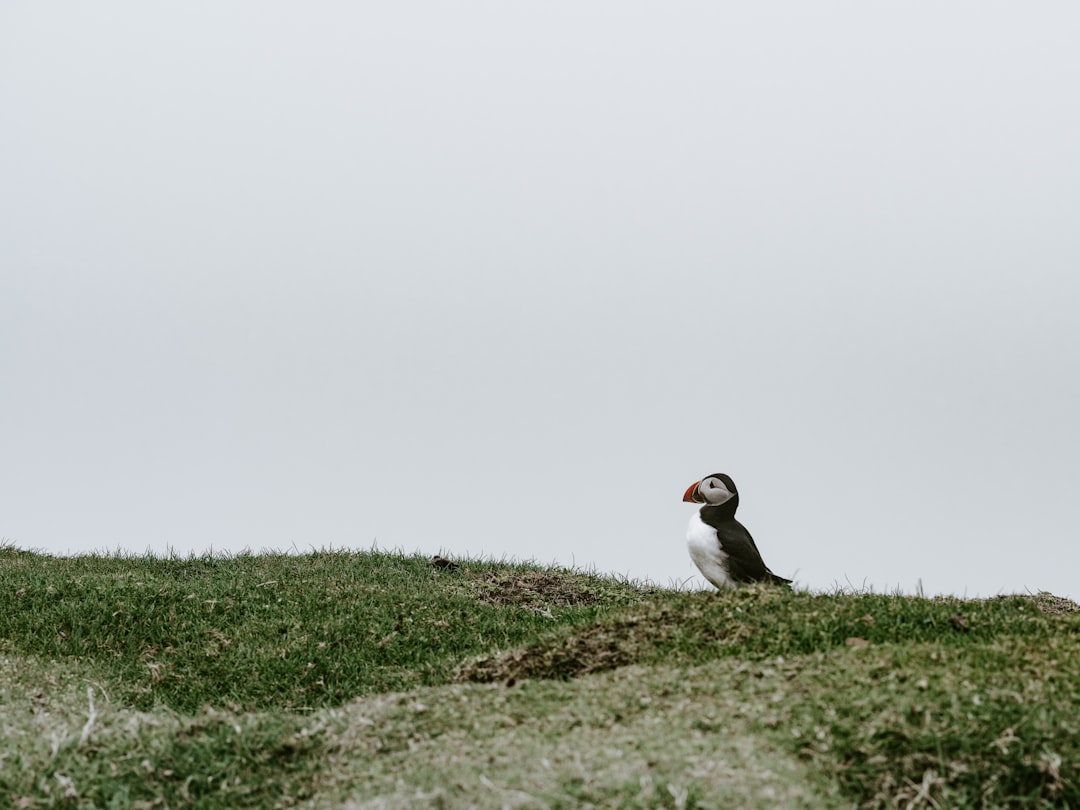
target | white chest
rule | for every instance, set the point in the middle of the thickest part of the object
(706, 553)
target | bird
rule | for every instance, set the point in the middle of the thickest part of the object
(719, 545)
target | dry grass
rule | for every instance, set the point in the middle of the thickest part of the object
(636, 737)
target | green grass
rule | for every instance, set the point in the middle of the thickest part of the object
(278, 631)
(340, 679)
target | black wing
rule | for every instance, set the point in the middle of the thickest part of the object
(744, 561)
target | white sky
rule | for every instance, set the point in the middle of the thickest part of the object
(504, 278)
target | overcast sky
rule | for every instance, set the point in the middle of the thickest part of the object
(504, 278)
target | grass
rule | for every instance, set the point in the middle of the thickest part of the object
(375, 680)
(277, 631)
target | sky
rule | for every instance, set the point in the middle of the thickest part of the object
(501, 280)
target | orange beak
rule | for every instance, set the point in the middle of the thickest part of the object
(688, 497)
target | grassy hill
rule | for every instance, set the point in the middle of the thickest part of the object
(376, 680)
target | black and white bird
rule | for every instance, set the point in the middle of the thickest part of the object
(720, 546)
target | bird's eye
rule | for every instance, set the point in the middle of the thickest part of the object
(712, 485)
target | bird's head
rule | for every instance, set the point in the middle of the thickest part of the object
(713, 490)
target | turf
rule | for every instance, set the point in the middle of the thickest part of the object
(377, 680)
(278, 631)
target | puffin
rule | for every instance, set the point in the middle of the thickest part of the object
(720, 546)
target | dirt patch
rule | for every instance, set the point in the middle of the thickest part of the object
(535, 590)
(1048, 603)
(594, 649)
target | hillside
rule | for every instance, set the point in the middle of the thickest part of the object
(376, 680)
